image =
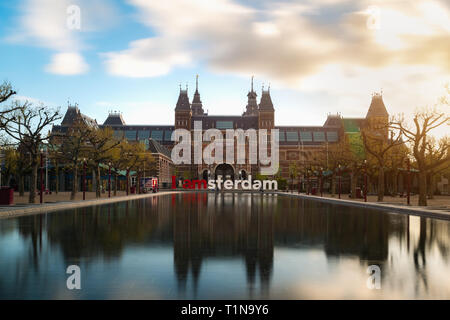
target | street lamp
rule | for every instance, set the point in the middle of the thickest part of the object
(42, 177)
(46, 171)
(321, 182)
(84, 178)
(339, 181)
(365, 181)
(408, 181)
(307, 181)
(109, 179)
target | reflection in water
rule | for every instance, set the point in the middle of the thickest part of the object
(223, 245)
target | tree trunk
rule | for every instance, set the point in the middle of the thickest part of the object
(34, 172)
(115, 184)
(21, 184)
(431, 187)
(380, 184)
(138, 187)
(333, 185)
(57, 178)
(128, 183)
(353, 181)
(74, 183)
(97, 189)
(422, 187)
(395, 183)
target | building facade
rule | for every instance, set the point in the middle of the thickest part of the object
(297, 144)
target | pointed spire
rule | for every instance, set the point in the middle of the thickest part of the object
(252, 104)
(197, 107)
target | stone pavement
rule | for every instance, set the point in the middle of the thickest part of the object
(21, 209)
(438, 208)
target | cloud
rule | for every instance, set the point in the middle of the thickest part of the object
(53, 24)
(146, 58)
(285, 42)
(68, 63)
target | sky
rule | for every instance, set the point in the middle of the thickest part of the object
(318, 56)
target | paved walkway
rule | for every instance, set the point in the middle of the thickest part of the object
(22, 209)
(438, 208)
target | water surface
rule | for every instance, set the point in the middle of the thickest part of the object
(224, 246)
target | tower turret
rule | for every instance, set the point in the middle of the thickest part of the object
(266, 110)
(183, 112)
(377, 117)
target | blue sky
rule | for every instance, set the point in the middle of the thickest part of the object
(320, 57)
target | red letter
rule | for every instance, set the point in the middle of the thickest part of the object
(174, 182)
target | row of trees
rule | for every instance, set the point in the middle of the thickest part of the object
(25, 133)
(383, 149)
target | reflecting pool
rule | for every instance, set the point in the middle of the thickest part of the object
(224, 246)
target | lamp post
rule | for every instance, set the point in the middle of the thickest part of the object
(42, 178)
(321, 182)
(109, 180)
(84, 178)
(307, 181)
(127, 176)
(408, 181)
(365, 181)
(46, 171)
(339, 181)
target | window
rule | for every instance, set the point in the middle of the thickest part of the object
(157, 135)
(224, 124)
(281, 136)
(118, 134)
(168, 135)
(292, 136)
(306, 136)
(319, 136)
(143, 134)
(332, 136)
(130, 134)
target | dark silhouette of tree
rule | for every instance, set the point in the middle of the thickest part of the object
(419, 136)
(27, 125)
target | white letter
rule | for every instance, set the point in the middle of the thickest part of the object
(184, 146)
(197, 142)
(228, 184)
(374, 281)
(74, 19)
(216, 145)
(274, 156)
(74, 281)
(247, 184)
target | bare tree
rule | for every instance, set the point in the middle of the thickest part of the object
(424, 121)
(72, 148)
(101, 142)
(378, 145)
(438, 159)
(27, 125)
(6, 91)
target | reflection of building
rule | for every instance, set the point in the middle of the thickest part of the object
(223, 232)
(298, 144)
